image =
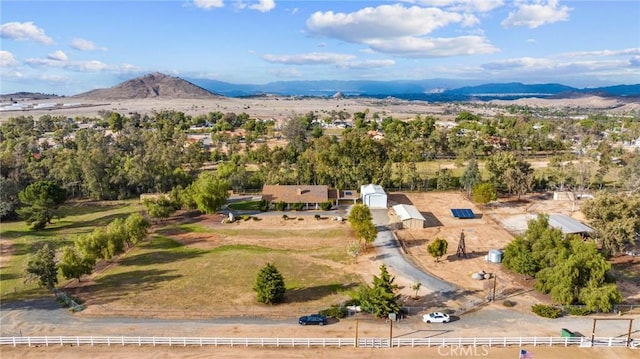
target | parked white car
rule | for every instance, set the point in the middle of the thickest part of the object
(436, 317)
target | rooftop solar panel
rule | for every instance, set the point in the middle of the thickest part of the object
(462, 213)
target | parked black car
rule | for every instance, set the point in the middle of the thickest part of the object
(313, 319)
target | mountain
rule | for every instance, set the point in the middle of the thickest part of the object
(154, 85)
(437, 90)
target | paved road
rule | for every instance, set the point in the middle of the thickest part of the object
(391, 255)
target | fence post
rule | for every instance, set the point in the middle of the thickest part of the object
(91, 340)
(60, 338)
(78, 341)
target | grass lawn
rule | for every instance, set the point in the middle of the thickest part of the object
(163, 276)
(20, 241)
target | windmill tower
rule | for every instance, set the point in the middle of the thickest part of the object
(461, 247)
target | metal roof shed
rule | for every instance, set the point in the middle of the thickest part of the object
(568, 225)
(373, 196)
(409, 216)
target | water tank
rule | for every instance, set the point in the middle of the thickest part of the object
(494, 256)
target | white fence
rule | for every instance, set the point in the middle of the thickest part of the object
(322, 342)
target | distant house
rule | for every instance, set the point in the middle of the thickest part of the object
(409, 216)
(373, 196)
(637, 142)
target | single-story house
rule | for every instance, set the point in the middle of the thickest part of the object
(373, 196)
(569, 225)
(409, 216)
(310, 195)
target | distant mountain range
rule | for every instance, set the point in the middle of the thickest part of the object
(427, 90)
(158, 85)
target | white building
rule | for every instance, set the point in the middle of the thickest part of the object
(373, 196)
(409, 216)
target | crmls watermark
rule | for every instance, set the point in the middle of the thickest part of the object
(463, 351)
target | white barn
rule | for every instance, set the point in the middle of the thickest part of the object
(373, 196)
(409, 216)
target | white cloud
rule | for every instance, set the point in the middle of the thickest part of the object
(263, 5)
(23, 31)
(57, 56)
(208, 4)
(600, 53)
(537, 14)
(366, 64)
(382, 22)
(561, 69)
(399, 30)
(7, 59)
(434, 47)
(85, 45)
(464, 5)
(312, 58)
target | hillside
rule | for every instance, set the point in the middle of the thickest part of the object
(155, 85)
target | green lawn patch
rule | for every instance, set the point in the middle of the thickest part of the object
(160, 275)
(245, 206)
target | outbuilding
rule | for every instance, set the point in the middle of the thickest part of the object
(373, 196)
(409, 216)
(569, 225)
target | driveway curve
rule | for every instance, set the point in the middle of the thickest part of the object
(390, 252)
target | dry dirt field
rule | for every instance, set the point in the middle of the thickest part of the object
(279, 353)
(280, 108)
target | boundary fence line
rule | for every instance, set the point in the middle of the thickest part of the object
(322, 342)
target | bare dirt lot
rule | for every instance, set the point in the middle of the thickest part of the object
(277, 353)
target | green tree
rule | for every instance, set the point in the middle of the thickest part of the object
(437, 248)
(615, 218)
(136, 228)
(161, 207)
(209, 192)
(380, 299)
(484, 193)
(583, 275)
(361, 221)
(471, 176)
(416, 287)
(353, 250)
(74, 265)
(269, 285)
(42, 267)
(517, 257)
(40, 202)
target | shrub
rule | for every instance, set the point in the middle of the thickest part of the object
(509, 303)
(336, 311)
(574, 310)
(257, 218)
(263, 205)
(280, 206)
(317, 216)
(546, 311)
(298, 206)
(285, 217)
(326, 206)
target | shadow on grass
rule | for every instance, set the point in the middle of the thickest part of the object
(297, 295)
(112, 287)
(82, 208)
(96, 222)
(158, 257)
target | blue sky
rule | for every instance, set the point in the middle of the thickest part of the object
(68, 47)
